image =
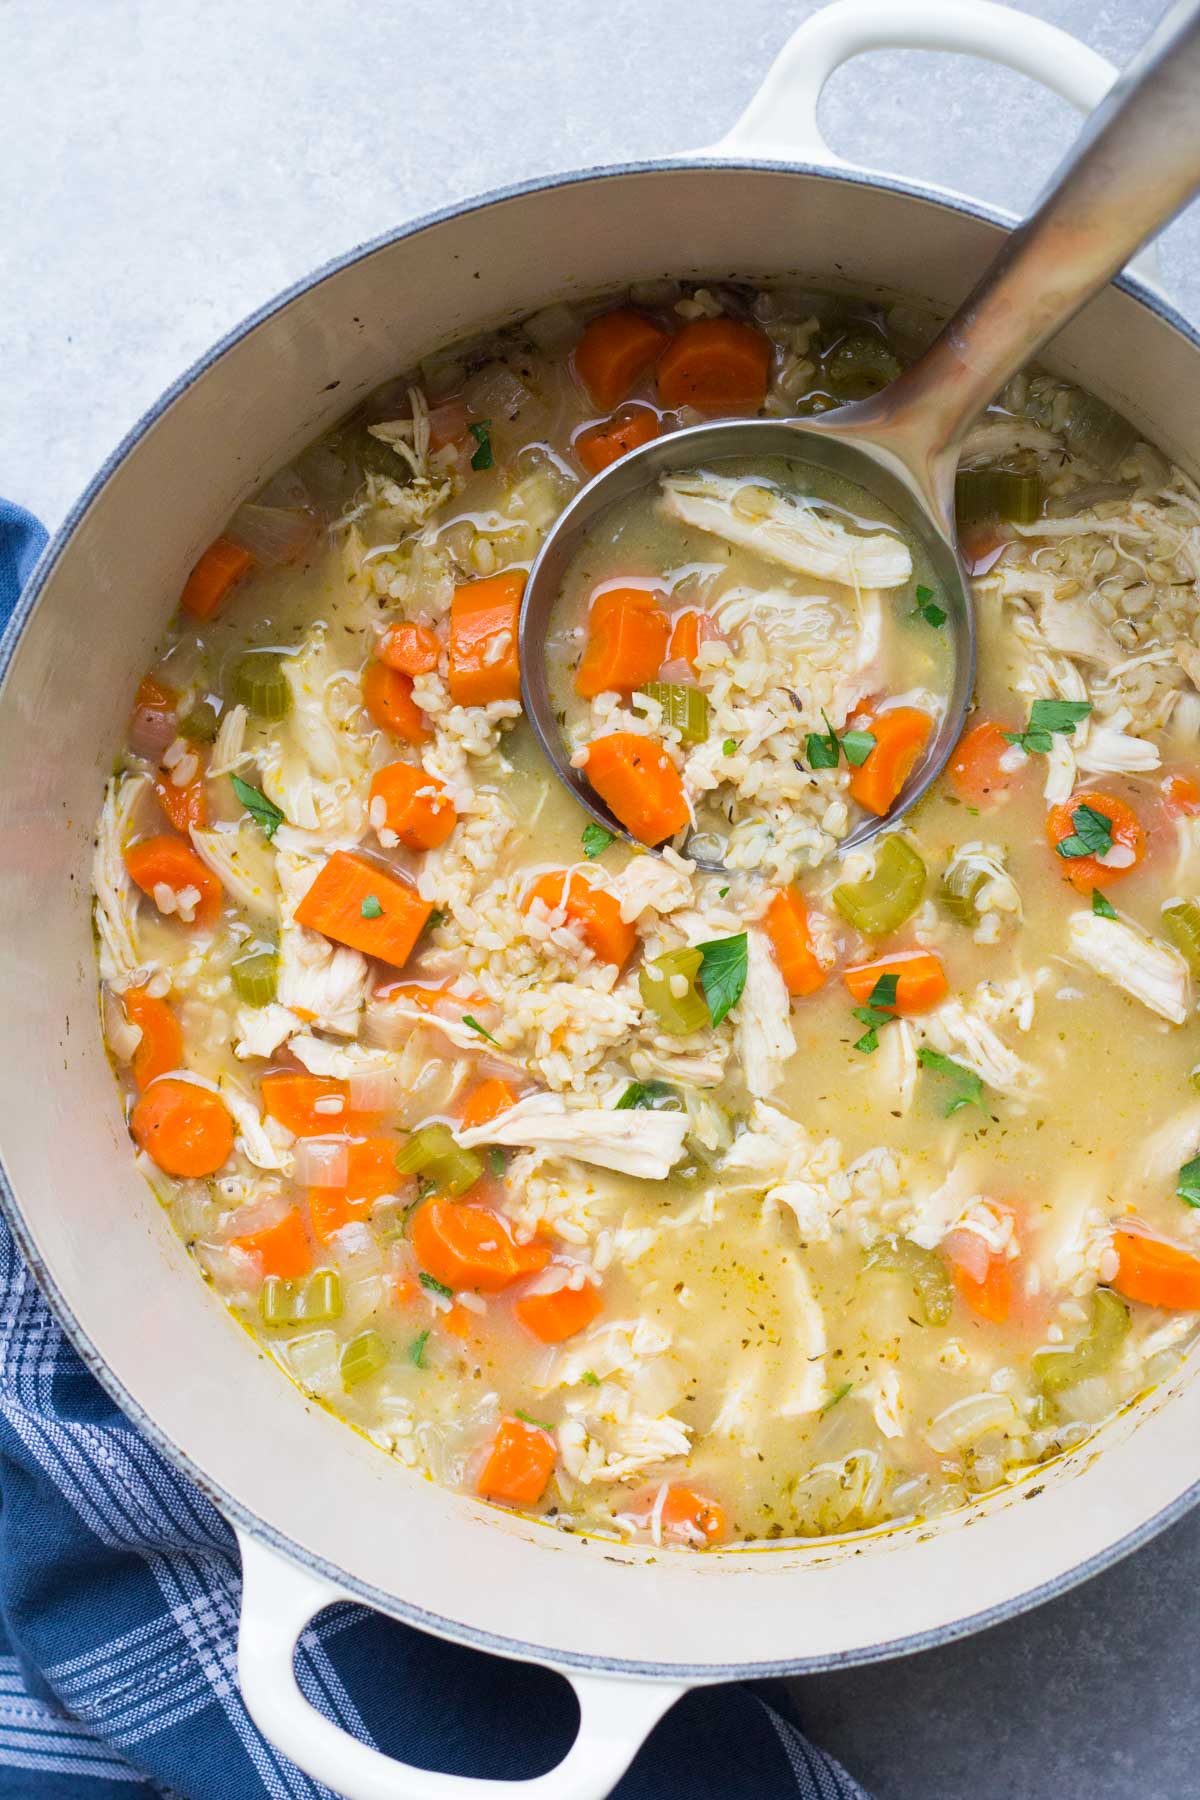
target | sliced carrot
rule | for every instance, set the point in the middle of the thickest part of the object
(486, 1102)
(974, 768)
(596, 912)
(184, 806)
(921, 980)
(599, 446)
(169, 862)
(1087, 872)
(484, 660)
(331, 1208)
(470, 1247)
(160, 1047)
(371, 1172)
(155, 696)
(283, 1249)
(222, 564)
(615, 351)
(694, 1518)
(992, 1297)
(387, 696)
(627, 641)
(184, 1128)
(716, 365)
(1181, 796)
(553, 1317)
(457, 1321)
(1156, 1273)
(413, 649)
(416, 805)
(303, 1103)
(447, 422)
(640, 784)
(357, 903)
(900, 736)
(689, 631)
(520, 1464)
(791, 940)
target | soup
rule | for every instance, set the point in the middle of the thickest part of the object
(806, 1194)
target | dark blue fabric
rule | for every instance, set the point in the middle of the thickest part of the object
(118, 1614)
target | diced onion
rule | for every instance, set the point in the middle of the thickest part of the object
(495, 393)
(373, 1090)
(970, 1419)
(322, 1162)
(554, 328)
(969, 1250)
(151, 730)
(273, 534)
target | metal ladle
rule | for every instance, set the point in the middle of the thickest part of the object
(1134, 165)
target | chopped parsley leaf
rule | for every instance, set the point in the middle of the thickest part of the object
(723, 973)
(264, 812)
(595, 840)
(1047, 719)
(416, 1350)
(436, 918)
(370, 908)
(838, 1394)
(721, 893)
(822, 752)
(967, 1089)
(1102, 908)
(483, 458)
(473, 1024)
(858, 745)
(1188, 1185)
(728, 747)
(590, 1379)
(497, 1161)
(876, 1013)
(649, 1096)
(928, 609)
(525, 1419)
(1093, 834)
(885, 990)
(434, 1286)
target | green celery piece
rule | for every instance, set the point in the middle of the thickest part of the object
(860, 366)
(1058, 1369)
(684, 707)
(679, 1014)
(880, 903)
(924, 1268)
(997, 494)
(1181, 921)
(432, 1153)
(200, 725)
(255, 977)
(362, 1357)
(958, 890)
(260, 685)
(308, 1302)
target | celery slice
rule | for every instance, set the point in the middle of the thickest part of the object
(997, 494)
(362, 1357)
(301, 1302)
(260, 685)
(680, 1014)
(881, 901)
(684, 707)
(860, 366)
(1058, 1369)
(255, 977)
(433, 1154)
(958, 889)
(200, 725)
(924, 1268)
(1181, 921)
(1094, 430)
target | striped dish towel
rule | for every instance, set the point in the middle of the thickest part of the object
(119, 1588)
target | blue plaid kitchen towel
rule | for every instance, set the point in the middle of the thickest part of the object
(119, 1590)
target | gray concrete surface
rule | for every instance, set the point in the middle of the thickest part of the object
(167, 165)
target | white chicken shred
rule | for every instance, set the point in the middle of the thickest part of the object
(795, 533)
(1144, 967)
(646, 1144)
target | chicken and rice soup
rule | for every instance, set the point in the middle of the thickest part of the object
(822, 1189)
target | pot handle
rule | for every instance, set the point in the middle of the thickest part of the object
(279, 1599)
(781, 120)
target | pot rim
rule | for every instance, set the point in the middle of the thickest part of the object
(232, 1509)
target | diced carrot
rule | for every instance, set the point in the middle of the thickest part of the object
(417, 807)
(484, 659)
(974, 768)
(486, 1102)
(596, 912)
(303, 1103)
(640, 784)
(520, 1464)
(169, 862)
(387, 696)
(371, 1171)
(689, 631)
(615, 351)
(413, 649)
(184, 806)
(155, 695)
(599, 446)
(991, 1297)
(184, 1128)
(1087, 872)
(457, 1321)
(331, 1208)
(469, 1246)
(921, 980)
(900, 736)
(716, 365)
(687, 1516)
(222, 564)
(553, 1317)
(357, 903)
(160, 1047)
(791, 940)
(1156, 1273)
(447, 422)
(627, 641)
(1181, 796)
(283, 1249)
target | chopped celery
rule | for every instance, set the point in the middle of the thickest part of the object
(362, 1357)
(1181, 921)
(433, 1154)
(686, 708)
(255, 977)
(1093, 430)
(997, 494)
(301, 1302)
(924, 1268)
(958, 889)
(1058, 1369)
(680, 1013)
(260, 685)
(881, 901)
(200, 725)
(860, 366)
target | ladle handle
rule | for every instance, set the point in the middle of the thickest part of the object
(1134, 165)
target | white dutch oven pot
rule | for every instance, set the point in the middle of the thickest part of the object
(322, 1515)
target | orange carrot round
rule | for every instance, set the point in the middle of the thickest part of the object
(640, 784)
(484, 655)
(715, 365)
(992, 1296)
(416, 805)
(1087, 872)
(169, 862)
(921, 980)
(486, 1102)
(184, 806)
(593, 909)
(412, 649)
(282, 1249)
(791, 940)
(470, 1247)
(519, 1465)
(1181, 796)
(900, 736)
(553, 1317)
(160, 1047)
(974, 768)
(184, 1128)
(615, 351)
(305, 1104)
(627, 641)
(222, 564)
(599, 446)
(387, 696)
(1156, 1273)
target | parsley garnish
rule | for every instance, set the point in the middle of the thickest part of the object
(723, 973)
(877, 1012)
(497, 1161)
(540, 1424)
(838, 1394)
(721, 893)
(590, 1379)
(596, 840)
(474, 1025)
(416, 1350)
(1093, 835)
(928, 609)
(967, 1087)
(1048, 719)
(649, 1096)
(728, 747)
(436, 918)
(264, 812)
(483, 458)
(858, 745)
(824, 749)
(435, 1286)
(370, 908)
(1102, 908)
(1188, 1186)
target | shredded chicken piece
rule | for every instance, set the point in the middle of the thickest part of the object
(314, 762)
(794, 533)
(116, 897)
(1151, 971)
(259, 1030)
(262, 1141)
(765, 1040)
(340, 1061)
(957, 1030)
(645, 1144)
(229, 753)
(651, 884)
(242, 862)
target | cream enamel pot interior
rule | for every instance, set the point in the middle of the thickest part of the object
(322, 1514)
